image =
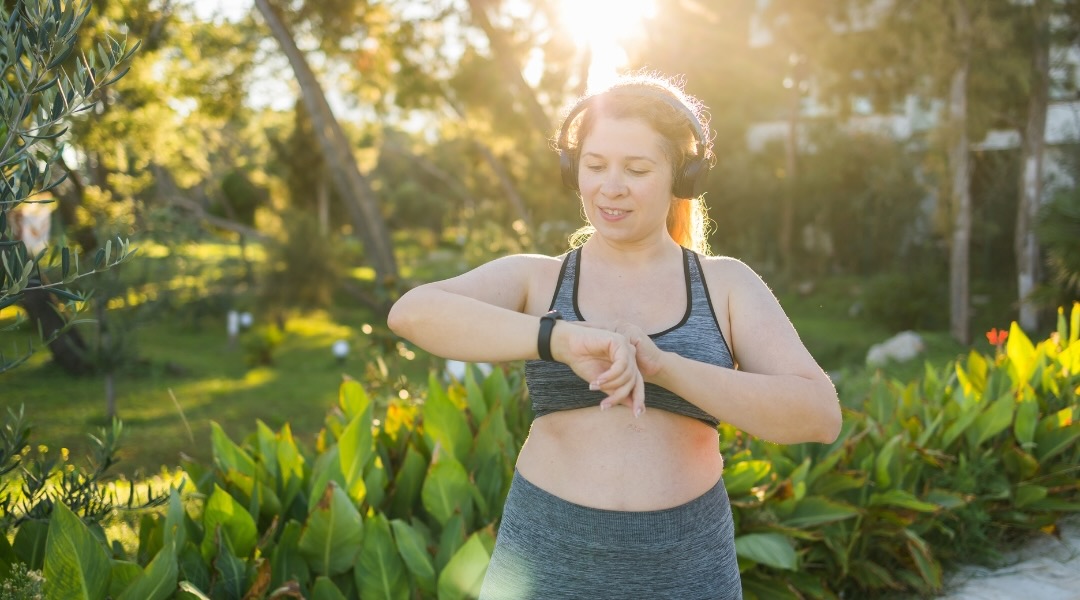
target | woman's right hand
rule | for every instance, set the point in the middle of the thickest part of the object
(605, 359)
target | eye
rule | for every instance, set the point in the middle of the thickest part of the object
(638, 172)
(595, 168)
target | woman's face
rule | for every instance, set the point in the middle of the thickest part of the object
(625, 180)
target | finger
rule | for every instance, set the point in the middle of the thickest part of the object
(623, 360)
(624, 393)
(638, 394)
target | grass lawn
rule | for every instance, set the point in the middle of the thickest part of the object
(209, 379)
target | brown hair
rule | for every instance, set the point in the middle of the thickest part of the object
(640, 96)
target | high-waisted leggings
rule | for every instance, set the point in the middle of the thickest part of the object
(550, 548)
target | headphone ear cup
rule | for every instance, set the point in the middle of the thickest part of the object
(568, 167)
(691, 181)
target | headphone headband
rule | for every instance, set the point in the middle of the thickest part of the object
(687, 183)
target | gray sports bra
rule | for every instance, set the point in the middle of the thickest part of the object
(554, 387)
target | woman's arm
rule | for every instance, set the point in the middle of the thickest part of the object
(779, 393)
(479, 317)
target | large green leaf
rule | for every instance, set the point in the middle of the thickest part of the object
(815, 510)
(380, 571)
(886, 464)
(286, 561)
(29, 543)
(222, 512)
(327, 468)
(375, 483)
(742, 476)
(159, 580)
(7, 557)
(1021, 354)
(355, 449)
(333, 533)
(474, 396)
(193, 567)
(445, 424)
(324, 589)
(290, 464)
(902, 499)
(1056, 432)
(267, 443)
(770, 549)
(77, 567)
(496, 389)
(1027, 419)
(447, 490)
(464, 574)
(994, 418)
(928, 567)
(230, 579)
(413, 548)
(262, 499)
(121, 575)
(408, 483)
(353, 400)
(227, 455)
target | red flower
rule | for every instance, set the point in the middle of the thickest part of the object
(997, 337)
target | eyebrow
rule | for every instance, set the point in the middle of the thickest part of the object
(627, 159)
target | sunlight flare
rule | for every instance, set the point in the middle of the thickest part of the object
(603, 26)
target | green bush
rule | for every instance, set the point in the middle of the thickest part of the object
(406, 504)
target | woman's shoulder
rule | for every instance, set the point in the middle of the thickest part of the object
(725, 266)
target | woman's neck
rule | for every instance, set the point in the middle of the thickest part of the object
(636, 254)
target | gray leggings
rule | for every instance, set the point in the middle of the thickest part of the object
(550, 548)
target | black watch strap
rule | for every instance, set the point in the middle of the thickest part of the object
(543, 340)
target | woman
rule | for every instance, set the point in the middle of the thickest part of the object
(618, 490)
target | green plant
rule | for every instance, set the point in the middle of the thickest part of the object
(924, 474)
(41, 89)
(260, 344)
(22, 584)
(52, 511)
(903, 301)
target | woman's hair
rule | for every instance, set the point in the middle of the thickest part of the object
(640, 96)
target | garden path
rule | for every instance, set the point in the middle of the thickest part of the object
(1047, 568)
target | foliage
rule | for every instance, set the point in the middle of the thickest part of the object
(1059, 229)
(22, 583)
(923, 475)
(261, 343)
(906, 299)
(41, 89)
(306, 269)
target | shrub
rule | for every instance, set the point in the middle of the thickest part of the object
(406, 505)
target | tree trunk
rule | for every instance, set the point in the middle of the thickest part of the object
(68, 349)
(1031, 172)
(960, 175)
(353, 189)
(505, 57)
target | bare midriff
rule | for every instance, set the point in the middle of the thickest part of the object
(612, 460)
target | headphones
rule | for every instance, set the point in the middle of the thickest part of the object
(687, 183)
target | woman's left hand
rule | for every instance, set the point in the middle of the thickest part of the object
(648, 355)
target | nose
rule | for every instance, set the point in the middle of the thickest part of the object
(612, 184)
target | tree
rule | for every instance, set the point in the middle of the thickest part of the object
(39, 93)
(352, 187)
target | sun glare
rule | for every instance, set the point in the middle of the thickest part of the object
(603, 26)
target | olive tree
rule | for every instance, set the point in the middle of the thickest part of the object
(46, 82)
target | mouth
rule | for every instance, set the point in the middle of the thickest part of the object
(612, 212)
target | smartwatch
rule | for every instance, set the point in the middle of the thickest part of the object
(543, 340)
